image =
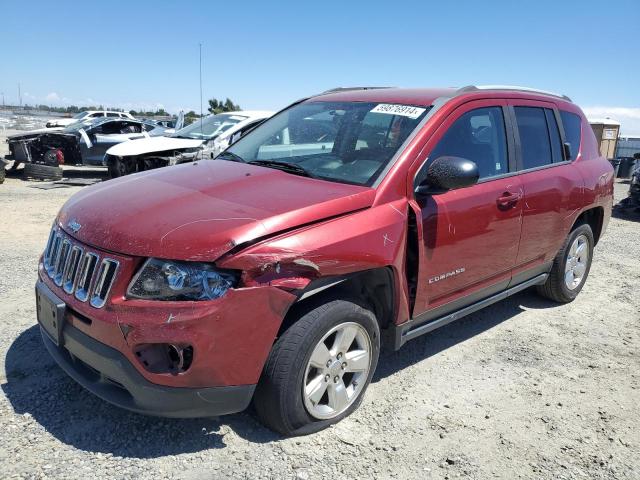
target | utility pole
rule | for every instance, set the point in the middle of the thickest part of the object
(19, 95)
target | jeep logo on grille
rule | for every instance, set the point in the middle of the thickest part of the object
(74, 226)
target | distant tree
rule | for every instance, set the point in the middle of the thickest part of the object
(636, 156)
(133, 113)
(218, 106)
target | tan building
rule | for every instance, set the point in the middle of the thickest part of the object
(606, 131)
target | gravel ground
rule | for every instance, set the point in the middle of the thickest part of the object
(522, 389)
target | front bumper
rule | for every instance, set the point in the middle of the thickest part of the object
(107, 373)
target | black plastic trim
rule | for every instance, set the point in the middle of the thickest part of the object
(423, 323)
(108, 374)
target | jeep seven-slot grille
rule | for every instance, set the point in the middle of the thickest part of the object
(78, 271)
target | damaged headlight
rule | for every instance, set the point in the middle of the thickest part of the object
(175, 280)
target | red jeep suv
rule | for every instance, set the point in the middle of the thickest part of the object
(269, 273)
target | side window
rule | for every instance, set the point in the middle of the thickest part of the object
(478, 135)
(112, 114)
(243, 131)
(554, 136)
(572, 131)
(94, 115)
(110, 128)
(130, 127)
(534, 137)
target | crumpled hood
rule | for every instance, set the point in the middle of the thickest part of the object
(199, 211)
(152, 144)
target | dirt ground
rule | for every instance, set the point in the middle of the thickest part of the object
(522, 389)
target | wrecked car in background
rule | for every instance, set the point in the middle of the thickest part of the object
(202, 139)
(632, 201)
(87, 115)
(81, 143)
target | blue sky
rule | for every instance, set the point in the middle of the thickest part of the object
(263, 55)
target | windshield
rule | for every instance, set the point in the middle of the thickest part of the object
(80, 115)
(349, 142)
(89, 122)
(209, 127)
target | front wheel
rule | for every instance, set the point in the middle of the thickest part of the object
(570, 267)
(319, 368)
(118, 167)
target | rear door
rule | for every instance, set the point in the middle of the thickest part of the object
(468, 238)
(552, 186)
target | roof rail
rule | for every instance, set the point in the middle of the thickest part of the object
(471, 88)
(346, 89)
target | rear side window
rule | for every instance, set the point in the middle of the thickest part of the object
(554, 136)
(478, 135)
(572, 131)
(534, 137)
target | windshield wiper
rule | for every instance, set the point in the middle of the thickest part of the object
(292, 168)
(230, 156)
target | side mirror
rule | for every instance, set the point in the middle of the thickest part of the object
(448, 173)
(567, 151)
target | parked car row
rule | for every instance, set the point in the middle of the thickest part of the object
(204, 138)
(271, 273)
(126, 145)
(81, 143)
(87, 115)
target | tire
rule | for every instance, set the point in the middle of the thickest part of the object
(557, 286)
(280, 401)
(3, 172)
(41, 172)
(118, 168)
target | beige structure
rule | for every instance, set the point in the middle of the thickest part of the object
(606, 131)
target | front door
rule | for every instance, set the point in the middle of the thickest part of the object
(468, 238)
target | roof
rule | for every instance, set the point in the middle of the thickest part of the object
(426, 96)
(410, 96)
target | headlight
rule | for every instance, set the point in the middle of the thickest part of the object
(175, 280)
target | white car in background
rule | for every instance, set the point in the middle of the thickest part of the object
(204, 138)
(86, 115)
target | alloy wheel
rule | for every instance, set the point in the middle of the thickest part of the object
(337, 370)
(577, 261)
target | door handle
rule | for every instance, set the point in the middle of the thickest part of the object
(507, 200)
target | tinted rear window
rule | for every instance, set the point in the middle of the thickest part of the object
(554, 135)
(534, 137)
(572, 130)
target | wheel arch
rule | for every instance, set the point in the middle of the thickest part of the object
(373, 288)
(594, 217)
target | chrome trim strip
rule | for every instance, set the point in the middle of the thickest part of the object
(61, 261)
(70, 275)
(50, 267)
(100, 294)
(90, 261)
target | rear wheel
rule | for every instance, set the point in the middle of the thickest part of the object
(319, 368)
(570, 267)
(41, 172)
